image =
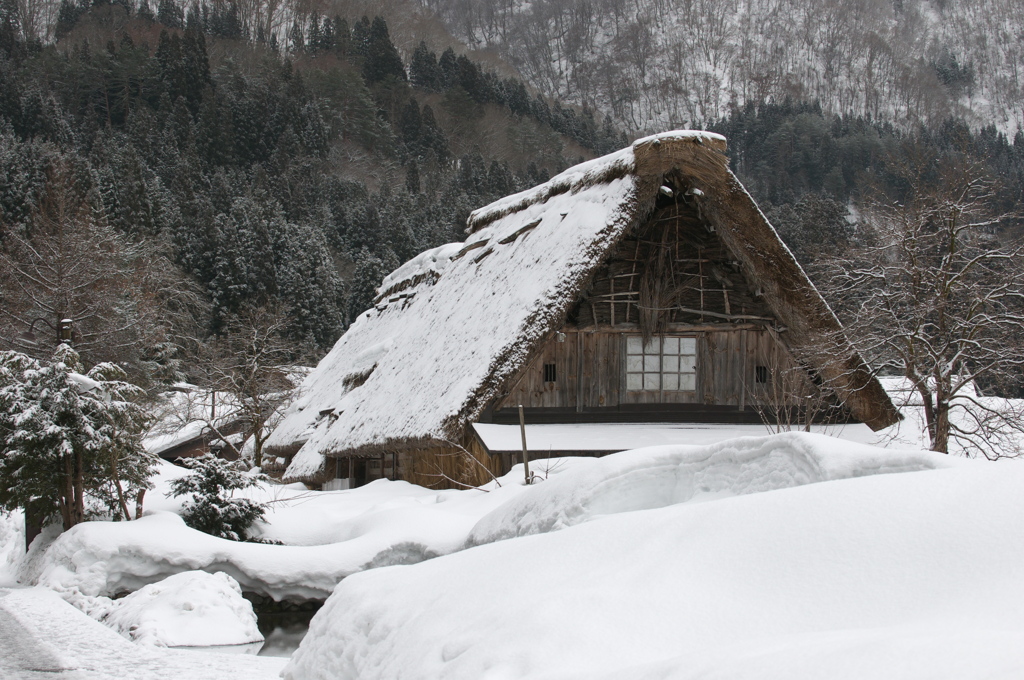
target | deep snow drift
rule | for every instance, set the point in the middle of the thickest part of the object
(912, 575)
(329, 535)
(660, 476)
(336, 534)
(189, 609)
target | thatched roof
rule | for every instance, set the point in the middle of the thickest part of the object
(454, 325)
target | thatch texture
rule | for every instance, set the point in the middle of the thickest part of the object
(456, 324)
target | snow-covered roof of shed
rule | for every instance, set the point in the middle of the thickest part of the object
(454, 324)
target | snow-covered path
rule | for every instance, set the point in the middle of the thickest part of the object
(24, 656)
(41, 636)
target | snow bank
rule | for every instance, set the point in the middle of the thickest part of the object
(189, 609)
(659, 476)
(105, 558)
(329, 535)
(607, 437)
(12, 545)
(914, 575)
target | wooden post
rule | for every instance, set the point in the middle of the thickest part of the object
(526, 454)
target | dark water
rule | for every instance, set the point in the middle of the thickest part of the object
(283, 632)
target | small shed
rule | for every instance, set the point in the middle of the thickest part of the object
(641, 287)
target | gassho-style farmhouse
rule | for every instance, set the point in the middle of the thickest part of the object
(641, 287)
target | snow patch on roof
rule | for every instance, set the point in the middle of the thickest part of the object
(585, 174)
(409, 368)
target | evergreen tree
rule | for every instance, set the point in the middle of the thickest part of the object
(381, 60)
(342, 37)
(296, 38)
(447, 68)
(67, 16)
(411, 126)
(361, 37)
(412, 178)
(423, 69)
(369, 271)
(212, 508)
(169, 14)
(64, 435)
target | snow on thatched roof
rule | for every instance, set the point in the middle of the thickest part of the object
(454, 324)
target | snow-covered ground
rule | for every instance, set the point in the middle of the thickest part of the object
(43, 636)
(911, 575)
(793, 555)
(328, 535)
(331, 535)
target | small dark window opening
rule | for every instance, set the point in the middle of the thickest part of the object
(550, 374)
(761, 374)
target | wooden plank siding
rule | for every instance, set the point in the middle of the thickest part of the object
(671, 277)
(590, 375)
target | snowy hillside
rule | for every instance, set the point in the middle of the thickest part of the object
(659, 64)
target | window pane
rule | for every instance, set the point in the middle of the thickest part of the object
(653, 347)
(634, 344)
(687, 364)
(651, 381)
(634, 381)
(652, 363)
(671, 345)
(670, 364)
(687, 345)
(670, 381)
(634, 363)
(688, 382)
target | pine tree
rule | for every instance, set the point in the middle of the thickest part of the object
(411, 127)
(296, 39)
(64, 435)
(169, 14)
(448, 69)
(342, 37)
(412, 178)
(212, 508)
(381, 60)
(423, 69)
(369, 271)
(361, 37)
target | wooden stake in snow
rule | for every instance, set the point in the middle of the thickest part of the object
(526, 454)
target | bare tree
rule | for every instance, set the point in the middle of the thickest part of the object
(934, 292)
(251, 367)
(69, 268)
(786, 395)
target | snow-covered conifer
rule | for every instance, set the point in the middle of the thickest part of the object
(212, 508)
(65, 435)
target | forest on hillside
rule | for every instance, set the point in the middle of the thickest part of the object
(165, 170)
(220, 171)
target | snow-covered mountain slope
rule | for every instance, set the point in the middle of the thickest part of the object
(661, 64)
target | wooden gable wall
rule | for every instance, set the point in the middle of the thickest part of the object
(673, 278)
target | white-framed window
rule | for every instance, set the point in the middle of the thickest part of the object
(666, 364)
